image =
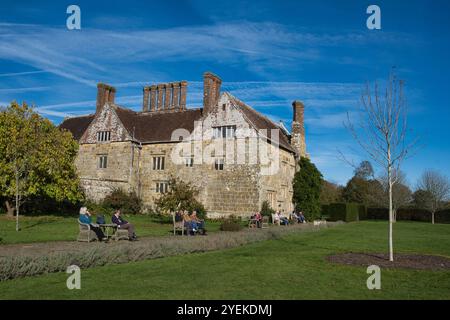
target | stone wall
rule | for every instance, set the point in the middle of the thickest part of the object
(238, 189)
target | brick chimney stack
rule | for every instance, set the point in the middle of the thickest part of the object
(211, 91)
(105, 94)
(298, 129)
(167, 97)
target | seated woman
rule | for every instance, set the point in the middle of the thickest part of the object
(85, 217)
(258, 218)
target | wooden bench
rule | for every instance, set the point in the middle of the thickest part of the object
(86, 234)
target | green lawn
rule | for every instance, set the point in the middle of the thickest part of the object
(54, 228)
(293, 267)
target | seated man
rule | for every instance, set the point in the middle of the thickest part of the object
(85, 217)
(301, 217)
(279, 217)
(123, 224)
(197, 223)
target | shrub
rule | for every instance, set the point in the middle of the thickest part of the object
(325, 211)
(409, 214)
(307, 186)
(231, 223)
(362, 212)
(266, 209)
(99, 255)
(181, 195)
(230, 226)
(343, 211)
(129, 203)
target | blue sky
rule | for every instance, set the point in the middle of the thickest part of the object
(268, 53)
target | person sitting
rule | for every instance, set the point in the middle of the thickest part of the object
(197, 223)
(258, 218)
(187, 221)
(123, 224)
(85, 217)
(301, 217)
(179, 216)
(279, 217)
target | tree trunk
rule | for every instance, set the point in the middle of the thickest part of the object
(391, 213)
(9, 209)
(17, 202)
(432, 217)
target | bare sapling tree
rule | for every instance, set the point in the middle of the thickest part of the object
(382, 133)
(437, 191)
(401, 193)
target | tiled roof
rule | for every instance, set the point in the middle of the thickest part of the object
(77, 125)
(262, 122)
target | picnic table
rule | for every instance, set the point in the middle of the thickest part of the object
(108, 227)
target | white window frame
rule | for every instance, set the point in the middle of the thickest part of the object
(162, 187)
(158, 163)
(219, 164)
(103, 136)
(189, 162)
(224, 132)
(102, 161)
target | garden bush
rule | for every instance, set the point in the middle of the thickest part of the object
(347, 212)
(128, 202)
(266, 209)
(99, 255)
(230, 226)
(409, 214)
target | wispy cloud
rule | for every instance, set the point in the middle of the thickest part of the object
(18, 74)
(259, 47)
(22, 90)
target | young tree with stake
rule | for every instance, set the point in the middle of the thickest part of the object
(382, 133)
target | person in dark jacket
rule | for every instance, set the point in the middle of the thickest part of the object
(123, 224)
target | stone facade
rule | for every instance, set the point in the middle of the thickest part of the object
(235, 156)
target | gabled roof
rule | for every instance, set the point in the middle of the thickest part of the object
(77, 125)
(261, 122)
(152, 127)
(157, 126)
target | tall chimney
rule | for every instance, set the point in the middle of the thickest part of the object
(146, 99)
(298, 129)
(160, 91)
(183, 95)
(105, 94)
(167, 91)
(153, 98)
(175, 95)
(211, 91)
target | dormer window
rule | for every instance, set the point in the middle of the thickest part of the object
(224, 132)
(103, 136)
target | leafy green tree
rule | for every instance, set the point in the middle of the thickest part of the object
(180, 196)
(330, 193)
(307, 188)
(367, 192)
(36, 158)
(266, 209)
(364, 170)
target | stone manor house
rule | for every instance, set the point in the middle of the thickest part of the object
(235, 156)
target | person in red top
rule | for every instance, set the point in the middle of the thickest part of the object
(258, 218)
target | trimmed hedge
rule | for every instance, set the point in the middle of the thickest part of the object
(347, 212)
(409, 214)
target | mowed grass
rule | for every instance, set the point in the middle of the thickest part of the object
(54, 228)
(293, 267)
